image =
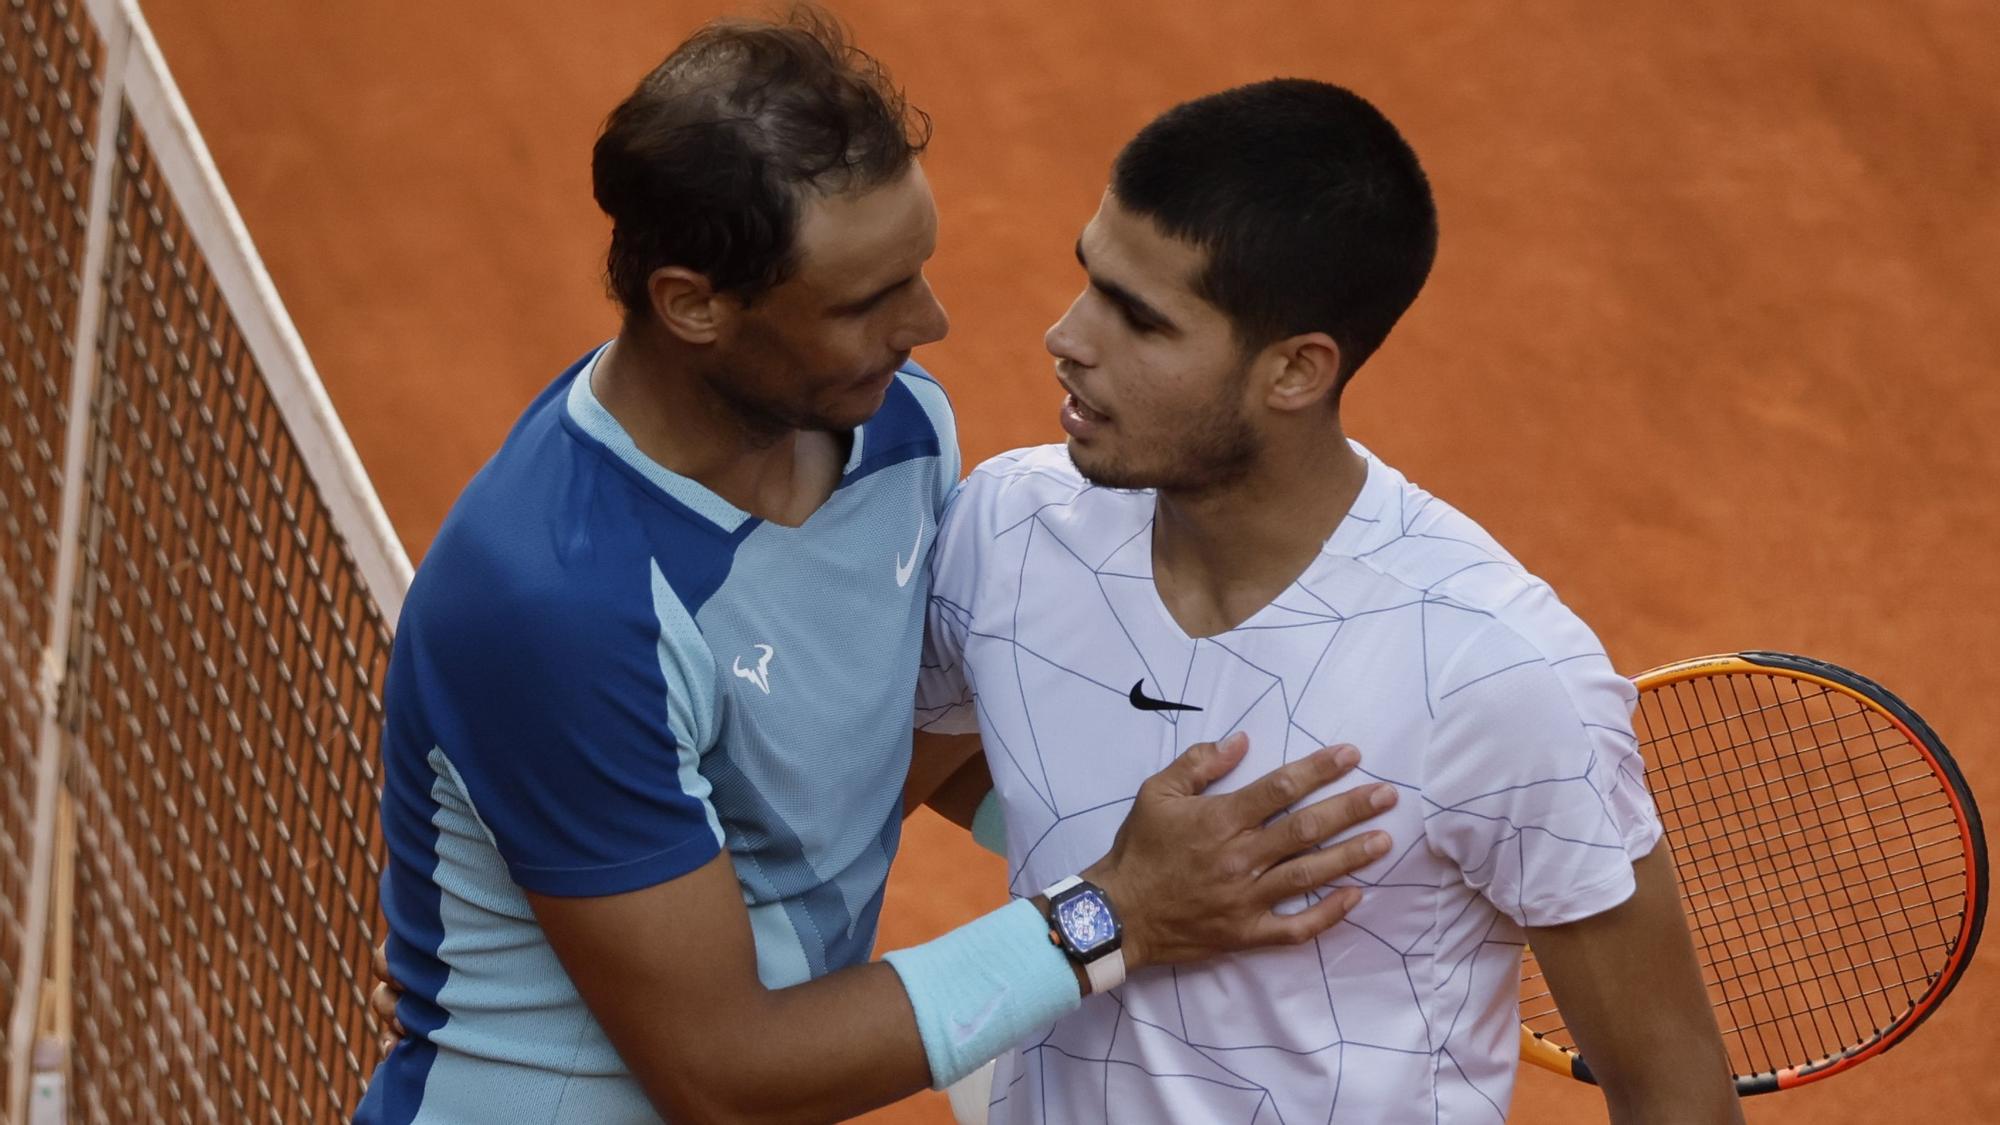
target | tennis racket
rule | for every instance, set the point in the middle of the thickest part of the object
(1830, 858)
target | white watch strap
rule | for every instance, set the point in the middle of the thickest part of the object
(1106, 972)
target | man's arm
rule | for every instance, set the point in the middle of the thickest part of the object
(958, 798)
(670, 971)
(946, 770)
(1630, 990)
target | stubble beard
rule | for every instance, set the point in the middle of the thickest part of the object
(1215, 451)
(764, 420)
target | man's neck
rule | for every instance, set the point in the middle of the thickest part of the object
(1221, 555)
(676, 420)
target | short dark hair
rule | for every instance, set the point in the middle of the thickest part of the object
(707, 163)
(1314, 211)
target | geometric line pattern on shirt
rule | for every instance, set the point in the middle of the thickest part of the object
(1316, 612)
(1451, 965)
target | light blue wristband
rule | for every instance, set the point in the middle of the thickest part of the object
(984, 987)
(989, 826)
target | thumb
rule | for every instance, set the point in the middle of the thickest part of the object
(1200, 765)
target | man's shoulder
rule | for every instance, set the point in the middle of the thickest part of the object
(557, 554)
(1485, 610)
(1425, 543)
(1518, 627)
(1028, 516)
(1041, 485)
(1026, 478)
(505, 544)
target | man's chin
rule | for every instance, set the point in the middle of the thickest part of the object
(852, 411)
(1102, 471)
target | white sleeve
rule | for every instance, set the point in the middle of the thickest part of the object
(1533, 784)
(944, 695)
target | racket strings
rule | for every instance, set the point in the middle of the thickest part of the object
(1550, 1010)
(1743, 952)
(1698, 884)
(1814, 865)
(1917, 772)
(1748, 989)
(1791, 1027)
(1779, 927)
(1728, 739)
(1897, 990)
(1714, 892)
(1733, 718)
(1826, 860)
(1783, 1001)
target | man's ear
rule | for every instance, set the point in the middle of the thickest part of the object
(687, 305)
(1305, 371)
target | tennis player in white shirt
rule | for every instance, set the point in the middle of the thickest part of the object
(1210, 555)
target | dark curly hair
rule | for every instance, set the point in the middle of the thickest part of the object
(708, 161)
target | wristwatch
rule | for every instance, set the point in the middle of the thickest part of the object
(1085, 927)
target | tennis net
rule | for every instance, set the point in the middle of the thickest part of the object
(196, 592)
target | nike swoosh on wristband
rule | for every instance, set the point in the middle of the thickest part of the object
(905, 569)
(962, 1031)
(1145, 702)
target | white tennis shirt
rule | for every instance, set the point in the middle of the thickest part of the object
(1414, 636)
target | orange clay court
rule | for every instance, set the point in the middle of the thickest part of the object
(1709, 344)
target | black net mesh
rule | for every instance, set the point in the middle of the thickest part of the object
(49, 58)
(228, 663)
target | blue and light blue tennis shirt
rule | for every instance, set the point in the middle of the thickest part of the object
(605, 674)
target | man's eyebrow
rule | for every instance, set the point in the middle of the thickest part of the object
(1129, 302)
(865, 303)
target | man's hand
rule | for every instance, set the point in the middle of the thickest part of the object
(1193, 876)
(382, 1001)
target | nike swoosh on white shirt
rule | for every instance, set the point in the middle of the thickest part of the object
(905, 569)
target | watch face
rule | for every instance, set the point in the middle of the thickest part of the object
(1086, 921)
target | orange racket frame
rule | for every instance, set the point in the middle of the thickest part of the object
(1540, 1050)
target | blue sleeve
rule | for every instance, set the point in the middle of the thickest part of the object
(574, 726)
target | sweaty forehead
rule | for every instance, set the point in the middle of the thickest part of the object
(849, 240)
